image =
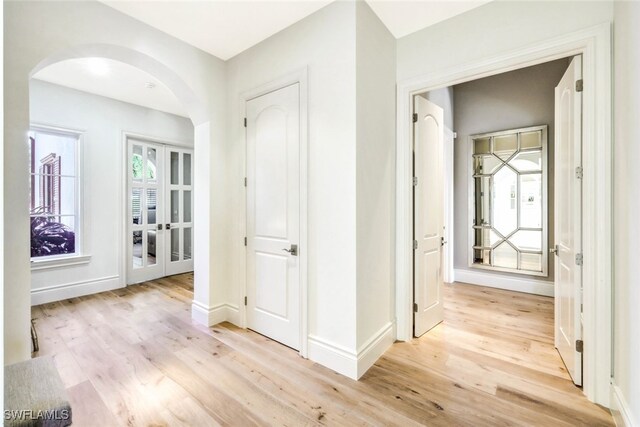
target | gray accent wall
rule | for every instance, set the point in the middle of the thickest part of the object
(510, 100)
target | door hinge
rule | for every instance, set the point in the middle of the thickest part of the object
(579, 259)
(579, 85)
(245, 241)
(245, 122)
(579, 346)
(245, 300)
(415, 117)
(415, 245)
(579, 172)
(245, 181)
(415, 181)
(415, 307)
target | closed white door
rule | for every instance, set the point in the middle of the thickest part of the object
(179, 211)
(273, 215)
(146, 215)
(568, 219)
(160, 214)
(428, 215)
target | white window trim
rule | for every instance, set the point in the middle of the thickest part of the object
(80, 256)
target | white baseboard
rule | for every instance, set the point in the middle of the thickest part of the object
(620, 409)
(336, 357)
(375, 347)
(210, 316)
(75, 289)
(346, 361)
(501, 281)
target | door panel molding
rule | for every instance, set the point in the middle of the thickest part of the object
(595, 46)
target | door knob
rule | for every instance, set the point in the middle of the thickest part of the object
(554, 250)
(293, 251)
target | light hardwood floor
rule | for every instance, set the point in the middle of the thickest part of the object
(133, 357)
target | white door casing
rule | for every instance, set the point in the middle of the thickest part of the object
(428, 215)
(273, 215)
(178, 227)
(568, 219)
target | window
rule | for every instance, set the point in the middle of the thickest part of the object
(54, 207)
(509, 224)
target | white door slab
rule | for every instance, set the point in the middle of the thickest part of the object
(273, 215)
(179, 213)
(428, 215)
(568, 219)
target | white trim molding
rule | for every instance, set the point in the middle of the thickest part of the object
(594, 44)
(501, 281)
(620, 409)
(347, 362)
(210, 316)
(75, 289)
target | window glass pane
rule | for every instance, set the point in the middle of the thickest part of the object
(186, 217)
(137, 249)
(151, 247)
(175, 177)
(505, 256)
(136, 163)
(151, 205)
(152, 162)
(526, 240)
(531, 139)
(505, 212)
(482, 256)
(175, 206)
(186, 169)
(54, 195)
(482, 146)
(504, 146)
(187, 243)
(175, 244)
(532, 262)
(483, 212)
(53, 154)
(136, 205)
(485, 165)
(52, 235)
(527, 161)
(531, 201)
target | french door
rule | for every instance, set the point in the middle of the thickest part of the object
(160, 210)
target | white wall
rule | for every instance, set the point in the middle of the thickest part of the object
(375, 183)
(626, 205)
(325, 43)
(491, 29)
(77, 29)
(510, 100)
(103, 121)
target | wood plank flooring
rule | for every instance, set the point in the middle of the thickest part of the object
(132, 357)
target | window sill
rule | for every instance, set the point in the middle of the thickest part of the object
(59, 262)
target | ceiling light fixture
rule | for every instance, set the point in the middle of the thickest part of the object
(149, 85)
(98, 66)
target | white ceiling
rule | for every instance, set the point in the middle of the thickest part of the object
(223, 29)
(404, 17)
(226, 28)
(112, 79)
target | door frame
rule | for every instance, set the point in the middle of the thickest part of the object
(301, 77)
(594, 44)
(124, 183)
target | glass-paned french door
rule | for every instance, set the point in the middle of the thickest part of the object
(160, 210)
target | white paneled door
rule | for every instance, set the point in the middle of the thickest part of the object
(428, 215)
(273, 215)
(568, 219)
(159, 231)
